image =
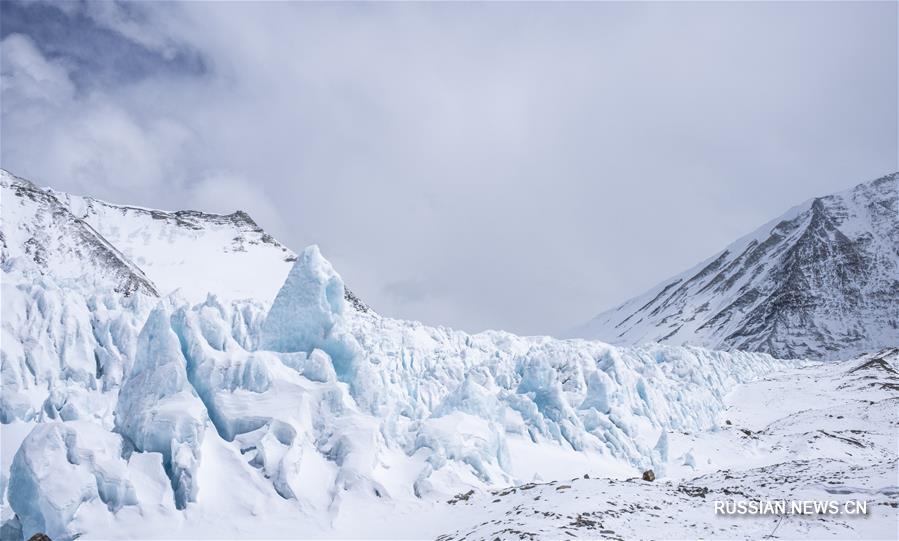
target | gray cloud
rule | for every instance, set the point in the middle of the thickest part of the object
(521, 165)
(407, 291)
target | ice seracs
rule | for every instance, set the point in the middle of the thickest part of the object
(327, 407)
(306, 307)
(307, 314)
(63, 469)
(158, 409)
(823, 432)
(64, 347)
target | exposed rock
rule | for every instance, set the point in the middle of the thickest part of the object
(821, 281)
(49, 240)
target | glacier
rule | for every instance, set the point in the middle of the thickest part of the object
(150, 403)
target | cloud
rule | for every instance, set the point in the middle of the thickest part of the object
(130, 21)
(88, 144)
(526, 165)
(407, 291)
(27, 76)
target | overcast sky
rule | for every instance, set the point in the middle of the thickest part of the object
(520, 166)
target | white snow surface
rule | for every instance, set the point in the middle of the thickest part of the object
(189, 250)
(41, 237)
(825, 432)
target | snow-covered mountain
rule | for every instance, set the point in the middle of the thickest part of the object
(190, 250)
(40, 236)
(820, 281)
(132, 406)
(193, 252)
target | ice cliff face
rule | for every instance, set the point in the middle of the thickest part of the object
(66, 468)
(158, 409)
(821, 281)
(306, 309)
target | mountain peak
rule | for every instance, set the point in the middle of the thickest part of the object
(154, 251)
(821, 280)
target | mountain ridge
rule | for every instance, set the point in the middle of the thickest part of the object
(54, 233)
(186, 249)
(820, 280)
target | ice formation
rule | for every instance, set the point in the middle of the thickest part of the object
(62, 468)
(158, 410)
(123, 409)
(324, 404)
(306, 308)
(307, 314)
(64, 348)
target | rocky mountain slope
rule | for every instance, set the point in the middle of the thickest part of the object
(39, 236)
(820, 281)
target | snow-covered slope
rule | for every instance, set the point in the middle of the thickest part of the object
(86, 240)
(821, 281)
(195, 252)
(823, 432)
(192, 251)
(202, 416)
(39, 236)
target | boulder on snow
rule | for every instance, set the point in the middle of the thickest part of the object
(649, 475)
